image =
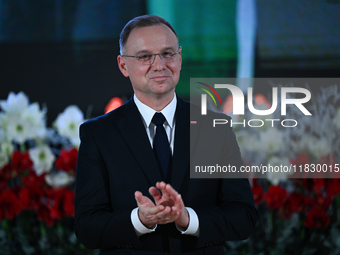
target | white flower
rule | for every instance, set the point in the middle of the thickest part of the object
(15, 103)
(18, 130)
(336, 119)
(59, 179)
(42, 158)
(36, 120)
(318, 147)
(7, 148)
(21, 121)
(271, 141)
(4, 159)
(68, 122)
(247, 142)
(300, 145)
(278, 169)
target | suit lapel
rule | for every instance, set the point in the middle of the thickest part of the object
(132, 129)
(180, 163)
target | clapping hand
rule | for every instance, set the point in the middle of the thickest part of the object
(167, 207)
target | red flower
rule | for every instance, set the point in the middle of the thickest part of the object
(3, 182)
(332, 187)
(69, 203)
(316, 218)
(44, 214)
(8, 172)
(275, 197)
(10, 205)
(21, 161)
(322, 202)
(60, 202)
(54, 199)
(67, 160)
(257, 193)
(309, 203)
(318, 185)
(294, 203)
(308, 184)
(298, 162)
(31, 197)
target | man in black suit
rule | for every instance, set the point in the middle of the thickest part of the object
(127, 201)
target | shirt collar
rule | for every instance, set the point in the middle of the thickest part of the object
(148, 113)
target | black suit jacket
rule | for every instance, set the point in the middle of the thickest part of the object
(115, 159)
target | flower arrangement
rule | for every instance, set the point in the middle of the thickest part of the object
(37, 173)
(299, 211)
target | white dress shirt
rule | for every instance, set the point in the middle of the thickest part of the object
(147, 114)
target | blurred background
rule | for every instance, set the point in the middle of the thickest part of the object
(63, 52)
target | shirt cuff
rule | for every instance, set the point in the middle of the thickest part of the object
(138, 225)
(193, 228)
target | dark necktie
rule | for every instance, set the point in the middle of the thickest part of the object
(161, 145)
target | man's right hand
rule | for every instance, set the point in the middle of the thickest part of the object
(151, 214)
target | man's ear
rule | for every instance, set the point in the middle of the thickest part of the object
(180, 55)
(122, 65)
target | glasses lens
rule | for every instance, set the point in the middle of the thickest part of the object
(166, 57)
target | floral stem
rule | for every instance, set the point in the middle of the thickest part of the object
(42, 229)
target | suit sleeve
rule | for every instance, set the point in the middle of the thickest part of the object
(97, 225)
(233, 216)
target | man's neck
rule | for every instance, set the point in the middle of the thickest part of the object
(156, 103)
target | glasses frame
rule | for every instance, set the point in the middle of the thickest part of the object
(154, 56)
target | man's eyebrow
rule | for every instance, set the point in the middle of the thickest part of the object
(149, 52)
(143, 52)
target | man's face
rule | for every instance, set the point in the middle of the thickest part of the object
(156, 80)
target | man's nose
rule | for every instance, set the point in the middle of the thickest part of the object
(158, 63)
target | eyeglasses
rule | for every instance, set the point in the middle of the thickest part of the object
(149, 59)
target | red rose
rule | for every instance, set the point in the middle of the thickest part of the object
(275, 197)
(10, 205)
(316, 218)
(67, 160)
(257, 193)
